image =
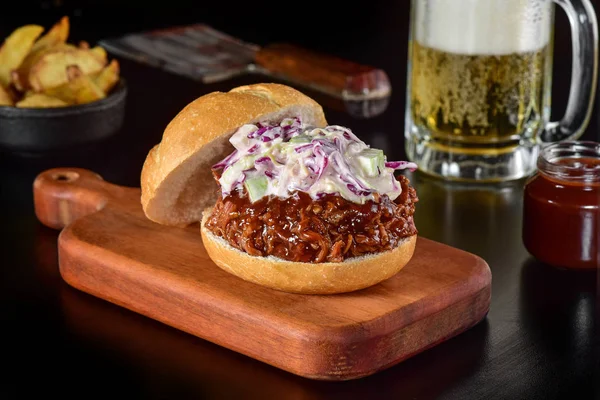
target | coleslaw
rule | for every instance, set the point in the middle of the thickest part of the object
(284, 158)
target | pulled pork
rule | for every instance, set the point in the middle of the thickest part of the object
(299, 228)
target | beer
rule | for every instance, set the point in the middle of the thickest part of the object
(478, 90)
(479, 71)
(477, 98)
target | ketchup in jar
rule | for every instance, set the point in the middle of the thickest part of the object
(561, 206)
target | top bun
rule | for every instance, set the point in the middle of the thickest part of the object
(176, 180)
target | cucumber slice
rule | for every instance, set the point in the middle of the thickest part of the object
(256, 187)
(301, 139)
(371, 161)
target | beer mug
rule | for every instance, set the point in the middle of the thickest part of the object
(479, 85)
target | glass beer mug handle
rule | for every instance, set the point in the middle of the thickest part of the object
(584, 28)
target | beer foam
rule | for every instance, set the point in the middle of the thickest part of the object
(489, 27)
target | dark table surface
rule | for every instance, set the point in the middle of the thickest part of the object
(539, 340)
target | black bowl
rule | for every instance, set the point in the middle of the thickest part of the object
(38, 130)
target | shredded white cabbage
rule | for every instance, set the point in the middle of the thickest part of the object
(281, 159)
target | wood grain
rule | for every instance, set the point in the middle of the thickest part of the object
(110, 250)
(335, 76)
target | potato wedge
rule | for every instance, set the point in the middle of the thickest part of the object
(20, 76)
(108, 77)
(58, 34)
(73, 71)
(15, 79)
(41, 69)
(15, 49)
(49, 70)
(80, 90)
(40, 100)
(100, 53)
(5, 97)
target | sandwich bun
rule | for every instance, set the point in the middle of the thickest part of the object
(308, 278)
(178, 189)
(176, 179)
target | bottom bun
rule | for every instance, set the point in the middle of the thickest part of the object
(308, 278)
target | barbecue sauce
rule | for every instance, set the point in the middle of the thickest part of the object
(299, 228)
(561, 215)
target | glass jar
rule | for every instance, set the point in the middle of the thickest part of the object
(561, 206)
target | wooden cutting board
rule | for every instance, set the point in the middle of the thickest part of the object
(108, 248)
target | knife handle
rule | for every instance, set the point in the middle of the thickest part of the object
(323, 72)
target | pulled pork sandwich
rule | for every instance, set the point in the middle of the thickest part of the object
(299, 205)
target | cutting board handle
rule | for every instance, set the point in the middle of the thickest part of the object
(62, 195)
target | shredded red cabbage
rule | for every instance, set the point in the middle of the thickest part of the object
(401, 165)
(226, 161)
(327, 162)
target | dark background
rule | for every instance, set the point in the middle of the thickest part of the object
(373, 32)
(539, 341)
